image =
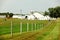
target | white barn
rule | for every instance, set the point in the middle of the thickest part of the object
(18, 16)
(38, 16)
(41, 17)
(15, 16)
(35, 15)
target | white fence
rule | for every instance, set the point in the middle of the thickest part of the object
(10, 27)
(27, 26)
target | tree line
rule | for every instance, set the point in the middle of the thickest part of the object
(53, 12)
(8, 15)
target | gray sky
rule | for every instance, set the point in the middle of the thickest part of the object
(14, 6)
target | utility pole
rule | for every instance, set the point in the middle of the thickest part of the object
(21, 11)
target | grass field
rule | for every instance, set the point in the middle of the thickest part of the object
(5, 26)
(49, 30)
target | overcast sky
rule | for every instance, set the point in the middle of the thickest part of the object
(15, 6)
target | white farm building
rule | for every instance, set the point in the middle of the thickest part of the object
(38, 16)
(2, 16)
(35, 15)
(18, 16)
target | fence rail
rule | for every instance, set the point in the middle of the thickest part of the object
(21, 27)
(33, 26)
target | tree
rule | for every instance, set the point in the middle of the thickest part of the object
(7, 14)
(46, 13)
(11, 14)
(54, 12)
(58, 11)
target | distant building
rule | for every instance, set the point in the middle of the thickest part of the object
(2, 16)
(15, 16)
(18, 16)
(39, 16)
(32, 16)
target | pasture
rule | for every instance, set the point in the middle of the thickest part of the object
(5, 26)
(45, 30)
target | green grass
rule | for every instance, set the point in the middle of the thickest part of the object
(5, 26)
(45, 30)
(54, 34)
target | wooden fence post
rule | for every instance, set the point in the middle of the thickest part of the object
(11, 30)
(35, 26)
(27, 27)
(32, 27)
(20, 27)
